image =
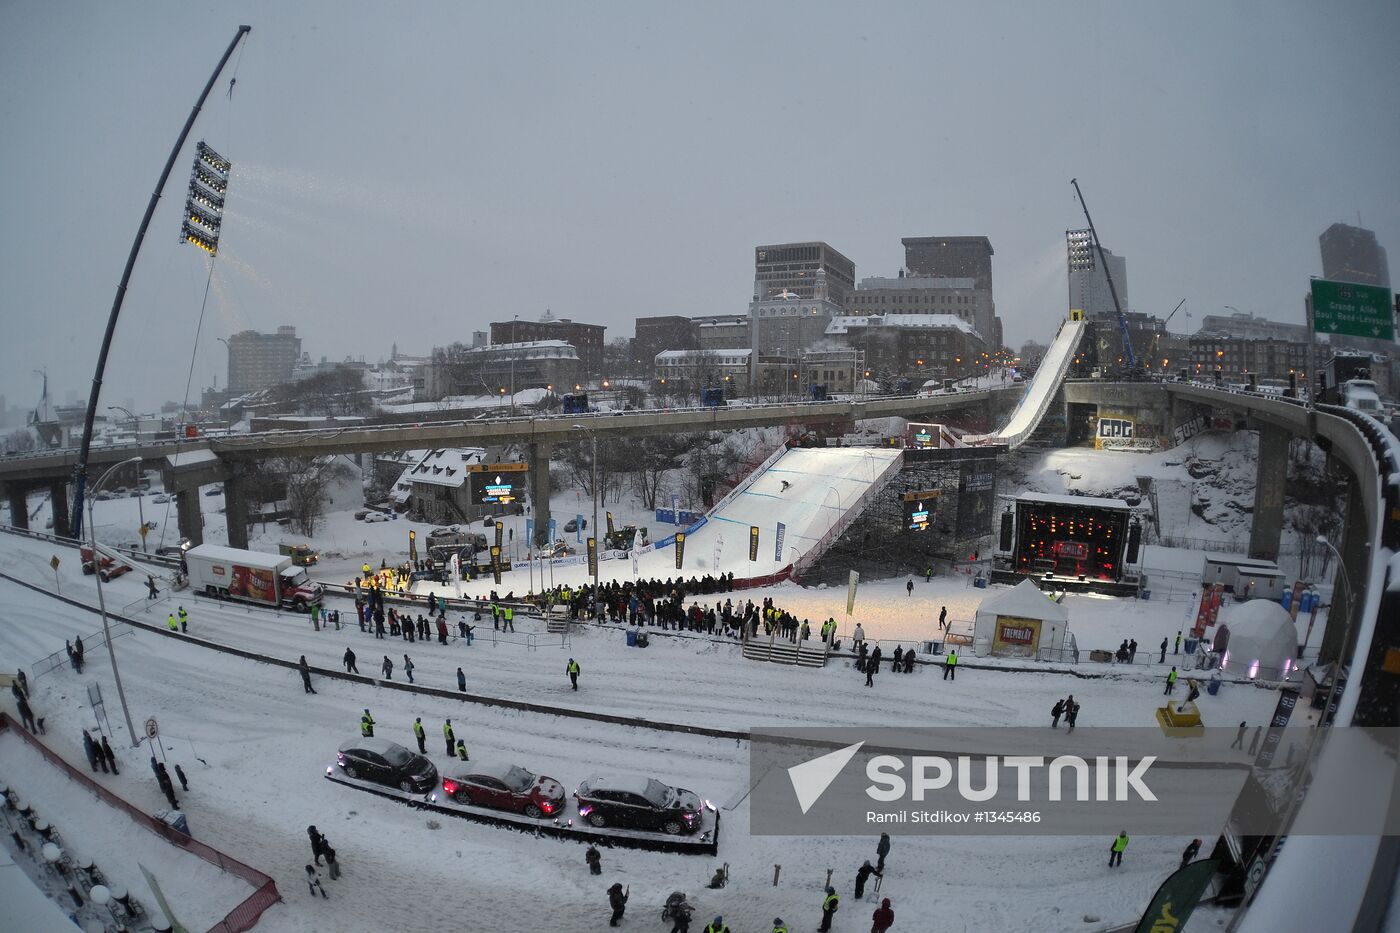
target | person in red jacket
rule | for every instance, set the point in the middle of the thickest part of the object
(883, 918)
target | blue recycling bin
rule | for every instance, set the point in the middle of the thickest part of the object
(631, 638)
(1147, 594)
(980, 583)
(1213, 686)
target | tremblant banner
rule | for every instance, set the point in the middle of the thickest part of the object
(496, 558)
(611, 529)
(1177, 898)
(858, 781)
(778, 547)
(680, 549)
(500, 532)
(592, 556)
(412, 545)
(753, 542)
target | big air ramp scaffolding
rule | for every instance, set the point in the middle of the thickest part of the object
(1041, 392)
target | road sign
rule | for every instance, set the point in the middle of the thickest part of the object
(1353, 310)
(53, 562)
(152, 729)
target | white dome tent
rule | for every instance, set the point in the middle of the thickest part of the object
(1020, 622)
(1262, 641)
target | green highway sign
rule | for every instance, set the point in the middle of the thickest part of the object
(1353, 310)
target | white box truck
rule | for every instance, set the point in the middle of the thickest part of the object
(250, 577)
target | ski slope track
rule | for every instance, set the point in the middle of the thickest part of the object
(1046, 382)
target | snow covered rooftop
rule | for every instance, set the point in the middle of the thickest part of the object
(1092, 502)
(444, 466)
(843, 323)
(1025, 600)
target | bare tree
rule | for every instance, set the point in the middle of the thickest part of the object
(19, 441)
(308, 479)
(653, 457)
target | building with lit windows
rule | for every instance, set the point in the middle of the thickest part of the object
(810, 270)
(586, 339)
(256, 361)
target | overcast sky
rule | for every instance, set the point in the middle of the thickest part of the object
(409, 172)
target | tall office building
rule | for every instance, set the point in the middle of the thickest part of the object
(256, 361)
(958, 257)
(802, 270)
(1088, 286)
(1352, 254)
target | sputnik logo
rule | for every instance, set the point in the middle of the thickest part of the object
(811, 778)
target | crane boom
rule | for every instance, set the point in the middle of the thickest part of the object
(1118, 309)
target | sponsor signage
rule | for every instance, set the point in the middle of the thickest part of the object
(680, 549)
(592, 557)
(753, 542)
(918, 508)
(496, 483)
(778, 544)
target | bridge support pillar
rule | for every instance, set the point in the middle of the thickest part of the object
(58, 502)
(539, 454)
(1352, 574)
(19, 505)
(1272, 467)
(236, 508)
(191, 520)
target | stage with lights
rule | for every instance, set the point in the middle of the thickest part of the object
(1076, 543)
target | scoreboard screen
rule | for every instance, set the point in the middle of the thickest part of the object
(918, 509)
(497, 483)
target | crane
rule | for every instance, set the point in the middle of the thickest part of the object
(1157, 336)
(1118, 309)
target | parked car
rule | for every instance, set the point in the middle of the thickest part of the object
(161, 499)
(573, 525)
(639, 803)
(214, 491)
(373, 517)
(387, 763)
(506, 787)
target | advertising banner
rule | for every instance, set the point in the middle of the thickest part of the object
(753, 542)
(578, 528)
(497, 483)
(778, 546)
(976, 498)
(1177, 898)
(500, 533)
(680, 549)
(1015, 637)
(529, 532)
(592, 556)
(412, 545)
(251, 583)
(496, 561)
(611, 529)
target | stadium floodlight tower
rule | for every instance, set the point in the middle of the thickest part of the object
(80, 470)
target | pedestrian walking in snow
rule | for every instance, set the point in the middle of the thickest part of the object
(23, 681)
(108, 754)
(184, 619)
(78, 653)
(318, 844)
(449, 737)
(1056, 712)
(408, 667)
(942, 618)
(151, 591)
(331, 862)
(572, 669)
(349, 660)
(313, 881)
(830, 902)
(1162, 656)
(882, 849)
(863, 874)
(950, 666)
(26, 715)
(909, 661)
(1176, 649)
(872, 667)
(388, 668)
(166, 787)
(861, 656)
(305, 670)
(594, 860)
(1115, 851)
(1239, 737)
(617, 899)
(1171, 682)
(1071, 712)
(180, 776)
(421, 735)
(1254, 741)
(909, 587)
(90, 750)
(462, 750)
(883, 917)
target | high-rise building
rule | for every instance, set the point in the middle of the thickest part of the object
(256, 361)
(1088, 285)
(802, 270)
(668, 332)
(1352, 254)
(953, 257)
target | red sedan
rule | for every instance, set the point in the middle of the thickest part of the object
(506, 787)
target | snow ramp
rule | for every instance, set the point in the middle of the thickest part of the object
(1041, 392)
(813, 492)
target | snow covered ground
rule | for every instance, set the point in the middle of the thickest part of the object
(264, 745)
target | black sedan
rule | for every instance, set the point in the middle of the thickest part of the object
(506, 787)
(638, 803)
(387, 763)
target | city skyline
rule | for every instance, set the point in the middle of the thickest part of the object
(626, 162)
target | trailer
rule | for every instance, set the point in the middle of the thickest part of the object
(251, 577)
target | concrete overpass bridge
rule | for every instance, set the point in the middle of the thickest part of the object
(188, 464)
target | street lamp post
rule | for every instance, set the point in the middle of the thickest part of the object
(101, 603)
(1346, 582)
(140, 496)
(597, 543)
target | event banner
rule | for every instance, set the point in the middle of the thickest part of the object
(412, 545)
(592, 556)
(578, 527)
(496, 558)
(611, 529)
(680, 549)
(778, 546)
(500, 533)
(753, 542)
(1177, 898)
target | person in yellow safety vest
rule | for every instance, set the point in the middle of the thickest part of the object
(717, 925)
(779, 926)
(367, 725)
(572, 669)
(174, 626)
(1115, 852)
(1171, 682)
(420, 735)
(365, 570)
(184, 619)
(829, 905)
(449, 737)
(509, 615)
(950, 666)
(462, 750)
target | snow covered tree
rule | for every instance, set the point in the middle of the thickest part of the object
(308, 480)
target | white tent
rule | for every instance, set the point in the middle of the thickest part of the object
(1263, 640)
(1020, 622)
